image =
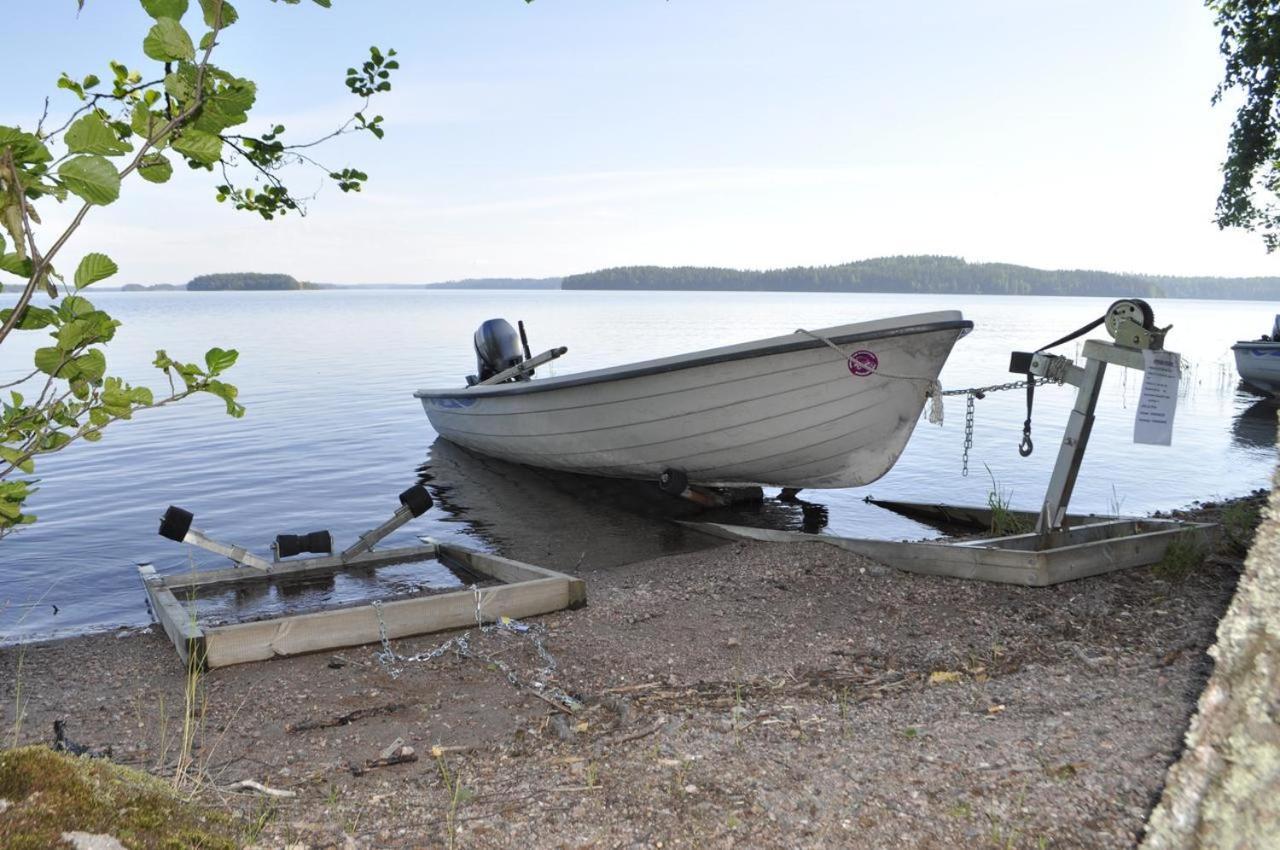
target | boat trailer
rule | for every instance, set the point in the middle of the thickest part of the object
(1062, 547)
(513, 589)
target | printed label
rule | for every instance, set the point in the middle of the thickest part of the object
(1158, 401)
(863, 363)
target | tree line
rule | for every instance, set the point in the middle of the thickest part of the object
(926, 274)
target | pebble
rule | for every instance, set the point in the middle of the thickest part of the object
(88, 841)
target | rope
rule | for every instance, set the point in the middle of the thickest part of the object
(932, 390)
(935, 393)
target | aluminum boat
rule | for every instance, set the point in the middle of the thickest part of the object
(1258, 361)
(820, 408)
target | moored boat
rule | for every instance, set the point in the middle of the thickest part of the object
(1258, 361)
(832, 407)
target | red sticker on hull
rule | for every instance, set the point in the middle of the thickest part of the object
(863, 363)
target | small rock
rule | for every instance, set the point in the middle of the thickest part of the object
(88, 841)
(733, 641)
(561, 728)
(4, 804)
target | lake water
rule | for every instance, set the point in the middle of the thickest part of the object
(333, 432)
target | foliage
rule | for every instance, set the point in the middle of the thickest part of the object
(1004, 521)
(1240, 521)
(184, 110)
(1250, 31)
(1181, 558)
(927, 274)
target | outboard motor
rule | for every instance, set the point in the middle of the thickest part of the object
(498, 348)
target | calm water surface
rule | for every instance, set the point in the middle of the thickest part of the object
(333, 432)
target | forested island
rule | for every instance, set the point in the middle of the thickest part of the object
(926, 274)
(243, 282)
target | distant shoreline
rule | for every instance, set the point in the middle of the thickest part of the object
(933, 275)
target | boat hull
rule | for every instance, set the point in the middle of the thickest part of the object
(1259, 365)
(788, 411)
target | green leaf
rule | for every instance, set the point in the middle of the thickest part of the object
(96, 327)
(26, 147)
(75, 306)
(165, 8)
(90, 366)
(227, 107)
(168, 42)
(49, 360)
(91, 134)
(219, 360)
(228, 394)
(32, 320)
(93, 178)
(205, 148)
(12, 456)
(16, 264)
(65, 82)
(148, 124)
(90, 81)
(154, 168)
(93, 268)
(212, 9)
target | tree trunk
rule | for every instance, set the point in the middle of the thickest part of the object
(1225, 790)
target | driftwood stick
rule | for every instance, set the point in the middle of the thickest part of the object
(344, 719)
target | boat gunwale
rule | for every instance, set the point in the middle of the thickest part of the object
(690, 361)
(1255, 344)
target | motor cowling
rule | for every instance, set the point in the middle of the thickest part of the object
(497, 348)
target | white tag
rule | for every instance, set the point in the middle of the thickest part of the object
(1159, 399)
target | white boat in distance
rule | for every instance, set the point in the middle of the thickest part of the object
(787, 411)
(1258, 362)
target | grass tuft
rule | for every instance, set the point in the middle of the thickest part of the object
(1240, 522)
(1184, 555)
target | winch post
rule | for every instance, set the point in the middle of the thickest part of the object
(1097, 354)
(1074, 441)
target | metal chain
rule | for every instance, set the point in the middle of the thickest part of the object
(461, 646)
(968, 436)
(933, 389)
(974, 393)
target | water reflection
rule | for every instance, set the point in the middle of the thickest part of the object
(563, 521)
(1255, 426)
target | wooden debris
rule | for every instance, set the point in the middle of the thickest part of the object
(402, 755)
(344, 719)
(252, 785)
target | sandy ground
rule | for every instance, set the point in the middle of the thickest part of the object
(743, 695)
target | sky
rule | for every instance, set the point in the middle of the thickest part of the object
(564, 136)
